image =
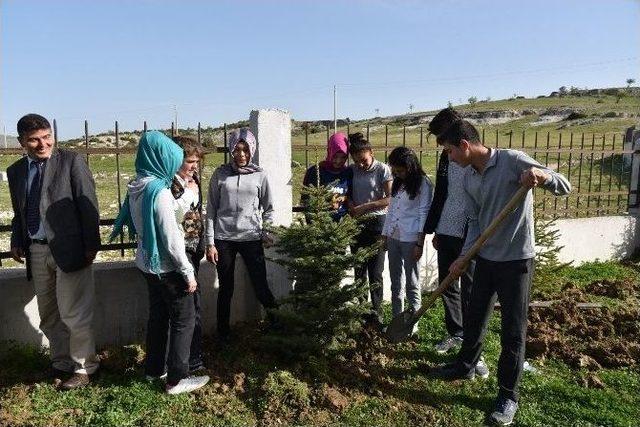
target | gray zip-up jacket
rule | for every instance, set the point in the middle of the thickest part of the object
(487, 193)
(238, 205)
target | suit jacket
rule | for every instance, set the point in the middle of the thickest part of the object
(68, 209)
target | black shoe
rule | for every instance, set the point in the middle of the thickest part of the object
(451, 372)
(57, 376)
(76, 381)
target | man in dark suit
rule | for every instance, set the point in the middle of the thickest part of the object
(55, 227)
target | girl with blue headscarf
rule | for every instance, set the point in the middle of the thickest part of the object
(148, 212)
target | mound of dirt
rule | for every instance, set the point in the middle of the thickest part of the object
(589, 338)
(619, 289)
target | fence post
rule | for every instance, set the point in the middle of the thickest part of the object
(634, 187)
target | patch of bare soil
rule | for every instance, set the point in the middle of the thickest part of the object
(621, 289)
(589, 338)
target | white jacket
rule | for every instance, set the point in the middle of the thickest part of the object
(406, 217)
(169, 232)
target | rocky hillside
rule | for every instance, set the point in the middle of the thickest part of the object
(587, 110)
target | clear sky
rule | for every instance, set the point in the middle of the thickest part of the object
(215, 61)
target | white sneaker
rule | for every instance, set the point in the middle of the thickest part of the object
(151, 378)
(447, 344)
(481, 368)
(187, 384)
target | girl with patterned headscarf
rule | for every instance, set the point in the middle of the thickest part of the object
(239, 206)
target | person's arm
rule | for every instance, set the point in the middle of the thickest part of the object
(533, 174)
(439, 196)
(473, 228)
(424, 203)
(86, 202)
(266, 201)
(376, 204)
(213, 199)
(387, 220)
(17, 243)
(170, 235)
(473, 233)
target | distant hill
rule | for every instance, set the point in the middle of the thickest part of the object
(582, 110)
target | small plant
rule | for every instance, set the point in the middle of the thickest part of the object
(547, 261)
(472, 100)
(321, 309)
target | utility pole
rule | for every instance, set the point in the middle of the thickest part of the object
(335, 109)
(175, 115)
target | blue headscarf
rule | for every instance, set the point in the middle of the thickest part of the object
(158, 157)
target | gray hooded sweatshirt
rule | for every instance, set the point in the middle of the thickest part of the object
(238, 205)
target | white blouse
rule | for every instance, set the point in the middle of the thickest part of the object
(405, 217)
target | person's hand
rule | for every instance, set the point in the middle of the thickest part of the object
(192, 285)
(357, 211)
(417, 252)
(458, 267)
(267, 240)
(90, 256)
(533, 177)
(17, 254)
(434, 242)
(191, 184)
(212, 254)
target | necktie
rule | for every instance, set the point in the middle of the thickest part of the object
(33, 198)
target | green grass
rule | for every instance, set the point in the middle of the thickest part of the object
(551, 286)
(393, 389)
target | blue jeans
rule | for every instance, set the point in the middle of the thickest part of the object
(403, 265)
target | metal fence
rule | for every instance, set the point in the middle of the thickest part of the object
(597, 165)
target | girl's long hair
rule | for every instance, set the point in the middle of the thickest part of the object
(406, 157)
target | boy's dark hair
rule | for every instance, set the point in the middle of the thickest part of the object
(406, 157)
(459, 130)
(358, 143)
(32, 122)
(443, 120)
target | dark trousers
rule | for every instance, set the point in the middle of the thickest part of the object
(253, 255)
(171, 320)
(456, 297)
(372, 269)
(195, 356)
(511, 282)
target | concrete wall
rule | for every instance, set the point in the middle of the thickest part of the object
(121, 296)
